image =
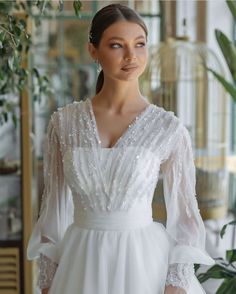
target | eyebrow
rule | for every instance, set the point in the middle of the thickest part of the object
(119, 38)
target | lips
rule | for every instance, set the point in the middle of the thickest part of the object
(129, 67)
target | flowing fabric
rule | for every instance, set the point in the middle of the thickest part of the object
(95, 224)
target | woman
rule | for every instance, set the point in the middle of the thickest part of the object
(95, 233)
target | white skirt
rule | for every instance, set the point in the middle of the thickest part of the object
(103, 257)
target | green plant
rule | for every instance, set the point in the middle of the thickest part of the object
(15, 42)
(228, 49)
(223, 269)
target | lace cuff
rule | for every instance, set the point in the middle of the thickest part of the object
(180, 274)
(47, 269)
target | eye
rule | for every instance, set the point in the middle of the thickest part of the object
(115, 45)
(141, 44)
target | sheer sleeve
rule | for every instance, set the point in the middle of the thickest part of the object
(184, 223)
(56, 212)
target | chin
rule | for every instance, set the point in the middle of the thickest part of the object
(129, 77)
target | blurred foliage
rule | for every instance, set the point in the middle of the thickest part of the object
(15, 42)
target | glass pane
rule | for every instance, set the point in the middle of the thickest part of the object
(62, 54)
(147, 7)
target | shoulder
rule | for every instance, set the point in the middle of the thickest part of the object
(169, 130)
(67, 110)
(64, 115)
(167, 120)
(64, 122)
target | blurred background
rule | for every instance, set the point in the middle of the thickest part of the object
(44, 65)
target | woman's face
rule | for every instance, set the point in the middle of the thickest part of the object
(122, 51)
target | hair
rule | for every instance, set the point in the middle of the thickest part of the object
(104, 18)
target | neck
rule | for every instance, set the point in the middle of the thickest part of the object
(116, 94)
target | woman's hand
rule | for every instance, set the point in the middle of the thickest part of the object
(45, 291)
(174, 290)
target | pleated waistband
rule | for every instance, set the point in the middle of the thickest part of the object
(113, 220)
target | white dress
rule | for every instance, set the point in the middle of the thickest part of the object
(96, 209)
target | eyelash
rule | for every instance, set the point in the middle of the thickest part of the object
(114, 44)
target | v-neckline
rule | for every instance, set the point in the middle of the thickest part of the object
(124, 134)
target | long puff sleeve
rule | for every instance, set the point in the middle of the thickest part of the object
(56, 212)
(184, 223)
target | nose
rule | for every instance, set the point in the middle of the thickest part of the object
(130, 55)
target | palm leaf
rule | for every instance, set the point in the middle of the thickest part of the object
(231, 255)
(229, 51)
(232, 6)
(222, 232)
(229, 87)
(228, 286)
(217, 271)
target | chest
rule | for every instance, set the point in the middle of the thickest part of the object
(110, 128)
(78, 128)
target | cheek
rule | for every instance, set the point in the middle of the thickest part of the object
(110, 58)
(143, 55)
(144, 58)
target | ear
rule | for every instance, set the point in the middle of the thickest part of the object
(92, 51)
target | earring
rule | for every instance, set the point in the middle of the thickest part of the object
(98, 65)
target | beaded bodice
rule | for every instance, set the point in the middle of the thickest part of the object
(116, 178)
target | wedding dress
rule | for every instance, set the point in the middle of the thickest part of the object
(96, 213)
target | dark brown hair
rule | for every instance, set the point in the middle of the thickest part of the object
(104, 18)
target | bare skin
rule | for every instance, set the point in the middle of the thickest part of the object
(112, 125)
(120, 100)
(174, 290)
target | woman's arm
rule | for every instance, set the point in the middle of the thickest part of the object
(184, 223)
(56, 212)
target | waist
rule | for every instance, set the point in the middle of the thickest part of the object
(113, 220)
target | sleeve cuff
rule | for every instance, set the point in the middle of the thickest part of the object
(47, 269)
(36, 246)
(180, 275)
